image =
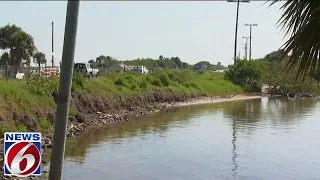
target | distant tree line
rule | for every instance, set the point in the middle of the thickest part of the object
(160, 63)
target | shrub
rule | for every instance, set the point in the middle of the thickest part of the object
(44, 123)
(156, 82)
(149, 78)
(42, 85)
(119, 82)
(164, 79)
(253, 87)
(134, 87)
(79, 80)
(123, 82)
(182, 76)
(143, 84)
(194, 85)
(72, 111)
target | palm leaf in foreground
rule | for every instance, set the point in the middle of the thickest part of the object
(301, 19)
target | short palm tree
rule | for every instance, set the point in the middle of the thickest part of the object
(301, 19)
(39, 58)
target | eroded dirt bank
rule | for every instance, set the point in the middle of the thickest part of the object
(94, 111)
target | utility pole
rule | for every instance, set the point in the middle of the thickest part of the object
(246, 47)
(236, 34)
(236, 28)
(52, 57)
(61, 120)
(250, 36)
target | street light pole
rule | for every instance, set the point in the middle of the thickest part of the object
(236, 28)
(61, 120)
(52, 57)
(250, 37)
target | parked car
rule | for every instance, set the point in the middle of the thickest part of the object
(86, 69)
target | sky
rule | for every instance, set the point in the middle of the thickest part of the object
(193, 31)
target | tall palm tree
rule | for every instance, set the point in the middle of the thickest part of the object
(23, 48)
(100, 61)
(301, 19)
(19, 43)
(39, 58)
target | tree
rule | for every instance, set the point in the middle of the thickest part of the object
(5, 57)
(276, 55)
(160, 57)
(19, 43)
(39, 58)
(185, 65)
(100, 59)
(91, 61)
(109, 62)
(177, 61)
(300, 19)
(246, 73)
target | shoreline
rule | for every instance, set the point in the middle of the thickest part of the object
(76, 127)
(213, 100)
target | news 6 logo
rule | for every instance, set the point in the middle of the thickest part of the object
(22, 154)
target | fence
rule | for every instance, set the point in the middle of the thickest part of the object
(6, 72)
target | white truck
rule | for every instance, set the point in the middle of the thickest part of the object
(86, 69)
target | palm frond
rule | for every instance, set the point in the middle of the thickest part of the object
(301, 20)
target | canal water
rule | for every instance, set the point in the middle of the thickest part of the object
(259, 139)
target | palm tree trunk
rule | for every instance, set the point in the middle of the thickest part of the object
(11, 71)
(39, 66)
(28, 70)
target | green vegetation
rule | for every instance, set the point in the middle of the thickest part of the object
(273, 71)
(107, 62)
(72, 111)
(33, 97)
(300, 21)
(181, 81)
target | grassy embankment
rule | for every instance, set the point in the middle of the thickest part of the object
(24, 104)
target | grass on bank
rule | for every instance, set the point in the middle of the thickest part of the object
(182, 81)
(33, 95)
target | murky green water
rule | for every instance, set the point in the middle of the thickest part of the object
(259, 139)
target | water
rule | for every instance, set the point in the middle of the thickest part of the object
(259, 139)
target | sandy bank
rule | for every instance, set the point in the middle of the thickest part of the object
(211, 100)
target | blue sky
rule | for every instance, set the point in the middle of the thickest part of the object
(193, 31)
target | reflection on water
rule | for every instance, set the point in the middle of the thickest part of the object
(270, 139)
(234, 149)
